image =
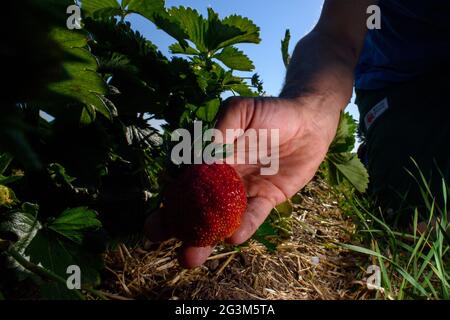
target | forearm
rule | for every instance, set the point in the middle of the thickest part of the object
(321, 67)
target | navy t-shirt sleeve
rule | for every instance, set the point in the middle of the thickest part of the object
(413, 39)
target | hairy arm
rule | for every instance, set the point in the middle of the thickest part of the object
(323, 62)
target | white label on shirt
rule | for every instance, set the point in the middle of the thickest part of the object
(376, 112)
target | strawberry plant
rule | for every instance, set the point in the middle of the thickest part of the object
(80, 162)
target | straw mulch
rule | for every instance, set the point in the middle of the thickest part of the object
(309, 265)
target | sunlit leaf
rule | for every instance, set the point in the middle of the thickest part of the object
(209, 111)
(100, 7)
(250, 31)
(235, 59)
(345, 135)
(176, 48)
(348, 166)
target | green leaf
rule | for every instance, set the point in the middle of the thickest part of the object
(88, 115)
(236, 84)
(176, 48)
(341, 163)
(192, 24)
(58, 174)
(258, 84)
(74, 223)
(169, 25)
(109, 12)
(297, 199)
(98, 8)
(154, 11)
(56, 254)
(147, 8)
(219, 34)
(285, 209)
(345, 135)
(241, 88)
(82, 83)
(209, 111)
(249, 31)
(348, 166)
(125, 3)
(20, 227)
(212, 34)
(22, 224)
(264, 234)
(235, 59)
(42, 246)
(285, 48)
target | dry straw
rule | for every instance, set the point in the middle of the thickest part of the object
(309, 265)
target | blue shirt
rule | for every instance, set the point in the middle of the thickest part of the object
(414, 38)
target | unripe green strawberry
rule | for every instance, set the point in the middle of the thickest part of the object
(207, 204)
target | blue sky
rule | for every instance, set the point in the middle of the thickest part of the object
(273, 17)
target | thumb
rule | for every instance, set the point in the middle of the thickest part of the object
(258, 209)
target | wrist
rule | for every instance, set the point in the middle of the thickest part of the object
(319, 116)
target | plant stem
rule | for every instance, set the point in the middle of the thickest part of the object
(42, 272)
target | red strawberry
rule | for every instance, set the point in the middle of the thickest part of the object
(207, 204)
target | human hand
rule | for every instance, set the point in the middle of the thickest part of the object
(306, 130)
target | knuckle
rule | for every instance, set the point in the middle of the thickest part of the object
(235, 102)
